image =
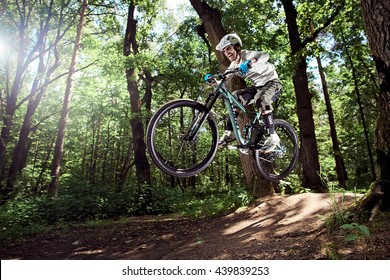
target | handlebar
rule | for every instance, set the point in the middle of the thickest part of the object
(230, 72)
(223, 76)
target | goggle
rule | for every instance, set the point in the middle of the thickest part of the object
(228, 48)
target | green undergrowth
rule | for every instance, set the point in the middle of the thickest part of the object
(199, 204)
(85, 204)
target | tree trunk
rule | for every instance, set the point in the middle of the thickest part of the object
(58, 150)
(107, 165)
(130, 47)
(10, 109)
(308, 149)
(126, 164)
(11, 101)
(19, 155)
(340, 167)
(95, 151)
(211, 19)
(257, 185)
(147, 98)
(37, 92)
(361, 110)
(43, 166)
(376, 15)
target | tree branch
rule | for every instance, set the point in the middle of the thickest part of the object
(49, 82)
(325, 25)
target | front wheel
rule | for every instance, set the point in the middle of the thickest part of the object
(278, 164)
(182, 138)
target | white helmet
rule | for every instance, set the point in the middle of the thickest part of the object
(229, 39)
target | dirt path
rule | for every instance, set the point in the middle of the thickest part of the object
(276, 228)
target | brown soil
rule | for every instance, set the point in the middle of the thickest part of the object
(282, 228)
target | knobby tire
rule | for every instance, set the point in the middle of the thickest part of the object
(167, 142)
(279, 164)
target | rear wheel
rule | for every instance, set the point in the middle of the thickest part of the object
(278, 164)
(172, 143)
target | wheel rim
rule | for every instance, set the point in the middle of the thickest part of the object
(176, 152)
(279, 163)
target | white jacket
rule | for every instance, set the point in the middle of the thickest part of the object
(260, 72)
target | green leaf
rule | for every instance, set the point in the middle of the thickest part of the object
(351, 237)
(364, 230)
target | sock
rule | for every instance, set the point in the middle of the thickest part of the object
(269, 122)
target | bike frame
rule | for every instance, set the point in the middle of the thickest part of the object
(230, 103)
(249, 139)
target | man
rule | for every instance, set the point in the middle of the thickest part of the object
(255, 67)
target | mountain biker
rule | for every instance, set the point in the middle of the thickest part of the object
(266, 86)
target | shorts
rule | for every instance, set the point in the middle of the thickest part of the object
(262, 96)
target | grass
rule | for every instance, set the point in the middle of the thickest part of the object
(355, 236)
(93, 205)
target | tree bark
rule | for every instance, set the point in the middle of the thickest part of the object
(376, 14)
(308, 150)
(361, 110)
(340, 167)
(130, 47)
(37, 92)
(211, 19)
(19, 154)
(212, 22)
(23, 61)
(95, 150)
(58, 150)
(10, 109)
(43, 167)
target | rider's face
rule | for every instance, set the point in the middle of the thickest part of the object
(230, 53)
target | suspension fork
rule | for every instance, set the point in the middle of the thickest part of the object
(201, 116)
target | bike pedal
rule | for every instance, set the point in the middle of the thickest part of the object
(245, 151)
(232, 147)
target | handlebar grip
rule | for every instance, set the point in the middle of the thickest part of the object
(230, 72)
(209, 78)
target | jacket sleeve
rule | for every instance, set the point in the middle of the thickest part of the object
(232, 67)
(261, 56)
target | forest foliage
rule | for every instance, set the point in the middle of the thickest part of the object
(98, 177)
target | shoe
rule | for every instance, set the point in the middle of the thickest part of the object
(270, 143)
(227, 137)
(244, 151)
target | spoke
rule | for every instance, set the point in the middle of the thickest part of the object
(268, 159)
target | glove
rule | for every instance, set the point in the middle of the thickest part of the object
(244, 67)
(207, 77)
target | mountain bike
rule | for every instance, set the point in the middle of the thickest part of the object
(182, 136)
